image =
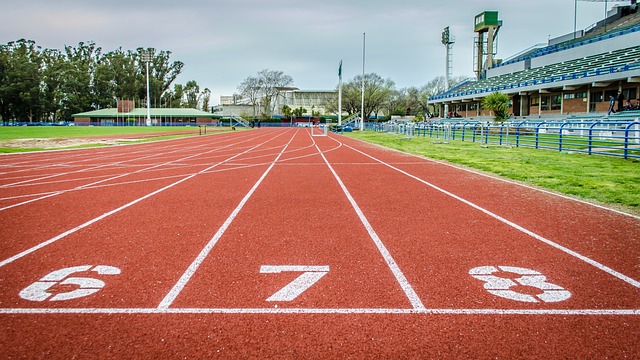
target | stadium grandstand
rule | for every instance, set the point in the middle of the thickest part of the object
(573, 74)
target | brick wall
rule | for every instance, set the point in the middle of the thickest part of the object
(125, 106)
(575, 106)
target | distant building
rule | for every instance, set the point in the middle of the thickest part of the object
(313, 101)
(310, 100)
(126, 114)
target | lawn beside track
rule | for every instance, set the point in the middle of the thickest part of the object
(612, 181)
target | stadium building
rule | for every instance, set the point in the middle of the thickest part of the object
(573, 74)
(127, 114)
(312, 101)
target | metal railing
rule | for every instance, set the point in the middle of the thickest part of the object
(603, 137)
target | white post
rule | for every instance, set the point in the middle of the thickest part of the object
(340, 94)
(147, 58)
(364, 37)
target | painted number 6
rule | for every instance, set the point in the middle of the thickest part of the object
(501, 286)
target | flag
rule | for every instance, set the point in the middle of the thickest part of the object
(340, 70)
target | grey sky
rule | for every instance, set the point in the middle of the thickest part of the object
(223, 42)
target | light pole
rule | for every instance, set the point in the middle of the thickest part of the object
(364, 39)
(146, 57)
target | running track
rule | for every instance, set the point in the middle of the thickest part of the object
(276, 243)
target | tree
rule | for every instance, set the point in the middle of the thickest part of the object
(272, 83)
(499, 104)
(377, 92)
(192, 94)
(21, 69)
(175, 98)
(264, 88)
(51, 90)
(250, 89)
(162, 72)
(286, 111)
(298, 112)
(205, 99)
(79, 75)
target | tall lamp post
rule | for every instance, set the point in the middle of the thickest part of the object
(364, 39)
(146, 57)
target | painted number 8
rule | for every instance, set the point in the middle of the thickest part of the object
(501, 286)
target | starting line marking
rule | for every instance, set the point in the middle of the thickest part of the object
(355, 311)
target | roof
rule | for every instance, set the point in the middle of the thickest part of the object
(142, 112)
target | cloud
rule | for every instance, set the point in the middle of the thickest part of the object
(223, 42)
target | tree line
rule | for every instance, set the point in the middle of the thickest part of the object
(49, 85)
(380, 95)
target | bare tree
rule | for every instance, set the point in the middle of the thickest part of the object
(435, 87)
(273, 82)
(251, 89)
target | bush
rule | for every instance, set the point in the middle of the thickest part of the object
(499, 104)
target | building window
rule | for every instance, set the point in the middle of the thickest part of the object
(629, 94)
(556, 102)
(581, 95)
(544, 103)
(596, 96)
(535, 100)
(609, 93)
(569, 96)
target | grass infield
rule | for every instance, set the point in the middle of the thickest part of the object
(49, 132)
(12, 133)
(601, 179)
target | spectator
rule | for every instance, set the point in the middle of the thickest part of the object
(612, 101)
(629, 106)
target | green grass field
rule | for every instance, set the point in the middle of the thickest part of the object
(10, 133)
(601, 179)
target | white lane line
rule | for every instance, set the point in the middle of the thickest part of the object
(191, 270)
(92, 221)
(566, 250)
(509, 181)
(346, 311)
(154, 154)
(386, 255)
(121, 175)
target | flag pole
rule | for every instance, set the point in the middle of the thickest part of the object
(340, 94)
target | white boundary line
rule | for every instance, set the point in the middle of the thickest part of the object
(109, 213)
(414, 299)
(191, 270)
(509, 181)
(303, 311)
(566, 250)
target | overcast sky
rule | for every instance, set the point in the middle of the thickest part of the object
(224, 42)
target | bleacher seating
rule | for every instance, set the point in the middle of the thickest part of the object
(594, 65)
(573, 43)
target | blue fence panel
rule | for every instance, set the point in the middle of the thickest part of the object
(590, 136)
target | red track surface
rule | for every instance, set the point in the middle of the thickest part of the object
(198, 240)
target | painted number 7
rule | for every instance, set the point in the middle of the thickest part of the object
(310, 275)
